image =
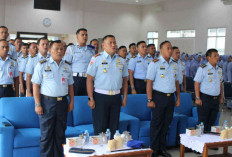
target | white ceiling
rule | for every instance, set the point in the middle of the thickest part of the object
(138, 2)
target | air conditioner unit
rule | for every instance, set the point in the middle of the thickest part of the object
(227, 2)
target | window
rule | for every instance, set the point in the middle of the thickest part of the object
(217, 39)
(152, 38)
(181, 34)
(12, 36)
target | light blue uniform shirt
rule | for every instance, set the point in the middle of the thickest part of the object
(53, 79)
(79, 57)
(22, 61)
(229, 72)
(108, 72)
(8, 71)
(32, 62)
(139, 65)
(12, 52)
(181, 67)
(19, 54)
(209, 79)
(163, 74)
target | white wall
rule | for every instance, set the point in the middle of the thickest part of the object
(188, 14)
(100, 18)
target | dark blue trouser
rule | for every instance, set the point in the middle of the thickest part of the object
(207, 113)
(24, 86)
(79, 86)
(53, 126)
(106, 113)
(162, 116)
(140, 86)
(7, 91)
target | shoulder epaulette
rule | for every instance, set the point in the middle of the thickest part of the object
(155, 60)
(220, 66)
(203, 66)
(97, 55)
(33, 56)
(67, 62)
(90, 46)
(133, 56)
(43, 61)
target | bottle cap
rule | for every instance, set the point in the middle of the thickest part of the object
(107, 129)
(202, 123)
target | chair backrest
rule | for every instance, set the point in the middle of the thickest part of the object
(19, 111)
(137, 107)
(82, 113)
(186, 105)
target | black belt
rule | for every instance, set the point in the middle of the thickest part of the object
(60, 98)
(209, 96)
(140, 80)
(5, 85)
(161, 93)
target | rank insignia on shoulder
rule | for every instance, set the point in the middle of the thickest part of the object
(203, 66)
(97, 55)
(67, 62)
(220, 66)
(155, 60)
(174, 61)
(43, 61)
(133, 56)
(90, 46)
(33, 56)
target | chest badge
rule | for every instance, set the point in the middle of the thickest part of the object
(162, 75)
(105, 71)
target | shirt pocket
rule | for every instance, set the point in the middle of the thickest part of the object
(11, 72)
(78, 56)
(65, 77)
(48, 75)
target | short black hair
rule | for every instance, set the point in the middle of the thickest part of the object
(121, 47)
(93, 40)
(56, 41)
(140, 42)
(149, 45)
(164, 42)
(25, 44)
(132, 44)
(81, 29)
(70, 44)
(107, 36)
(43, 38)
(210, 51)
(4, 27)
(175, 47)
(17, 39)
(31, 44)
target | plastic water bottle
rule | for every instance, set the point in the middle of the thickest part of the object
(108, 134)
(86, 136)
(116, 134)
(225, 124)
(202, 128)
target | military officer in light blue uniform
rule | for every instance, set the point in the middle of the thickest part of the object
(162, 83)
(181, 67)
(79, 56)
(9, 73)
(107, 74)
(138, 69)
(18, 44)
(208, 90)
(151, 49)
(34, 60)
(52, 82)
(132, 52)
(4, 35)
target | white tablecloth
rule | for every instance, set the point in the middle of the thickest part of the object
(197, 142)
(99, 150)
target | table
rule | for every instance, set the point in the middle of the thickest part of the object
(101, 151)
(203, 143)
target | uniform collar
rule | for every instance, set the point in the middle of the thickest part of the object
(78, 46)
(106, 55)
(163, 60)
(51, 60)
(149, 56)
(141, 56)
(40, 56)
(6, 58)
(210, 66)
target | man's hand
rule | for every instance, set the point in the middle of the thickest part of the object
(124, 102)
(133, 91)
(198, 102)
(184, 90)
(22, 90)
(221, 100)
(177, 104)
(70, 107)
(39, 110)
(91, 104)
(29, 94)
(151, 104)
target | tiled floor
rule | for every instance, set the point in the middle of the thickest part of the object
(225, 115)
